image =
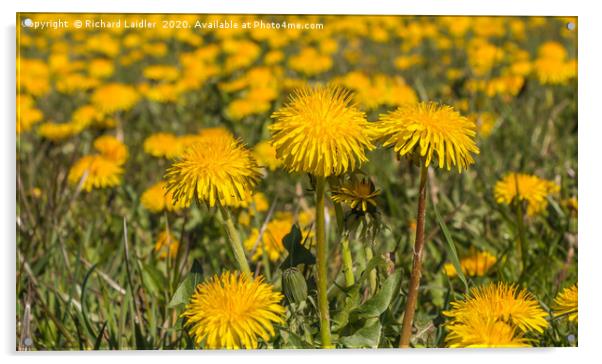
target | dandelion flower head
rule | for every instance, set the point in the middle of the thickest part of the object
(525, 187)
(566, 303)
(321, 132)
(500, 302)
(430, 131)
(233, 311)
(96, 171)
(213, 170)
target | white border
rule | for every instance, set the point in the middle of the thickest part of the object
(590, 255)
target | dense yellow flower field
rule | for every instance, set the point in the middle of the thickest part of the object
(268, 181)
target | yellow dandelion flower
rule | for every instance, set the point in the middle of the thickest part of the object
(271, 240)
(72, 83)
(484, 332)
(85, 116)
(571, 204)
(96, 171)
(27, 113)
(167, 245)
(233, 311)
(421, 129)
(111, 148)
(478, 264)
(485, 123)
(310, 62)
(101, 68)
(500, 302)
(525, 187)
(156, 199)
(320, 131)
(566, 303)
(215, 132)
(161, 72)
(218, 170)
(552, 50)
(56, 131)
(265, 154)
(357, 194)
(115, 97)
(553, 71)
(163, 145)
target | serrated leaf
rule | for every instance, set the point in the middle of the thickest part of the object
(297, 253)
(366, 337)
(378, 303)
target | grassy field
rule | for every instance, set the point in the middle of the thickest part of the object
(105, 262)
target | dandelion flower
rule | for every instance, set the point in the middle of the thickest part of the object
(166, 245)
(218, 170)
(85, 116)
(477, 265)
(566, 303)
(233, 311)
(115, 97)
(56, 131)
(163, 145)
(97, 172)
(27, 113)
(320, 131)
(500, 302)
(265, 154)
(111, 148)
(215, 132)
(525, 187)
(156, 199)
(358, 194)
(427, 129)
(484, 332)
(271, 240)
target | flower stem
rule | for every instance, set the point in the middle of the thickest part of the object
(235, 243)
(322, 264)
(347, 262)
(522, 241)
(372, 274)
(410, 309)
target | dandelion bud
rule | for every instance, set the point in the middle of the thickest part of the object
(294, 285)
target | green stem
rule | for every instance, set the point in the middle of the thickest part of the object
(410, 309)
(322, 264)
(372, 273)
(266, 262)
(522, 241)
(347, 262)
(235, 243)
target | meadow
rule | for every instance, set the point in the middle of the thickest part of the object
(372, 182)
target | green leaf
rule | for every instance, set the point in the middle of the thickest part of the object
(453, 253)
(366, 337)
(187, 287)
(341, 318)
(378, 303)
(297, 253)
(153, 278)
(295, 341)
(372, 264)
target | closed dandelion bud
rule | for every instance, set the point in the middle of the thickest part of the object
(294, 285)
